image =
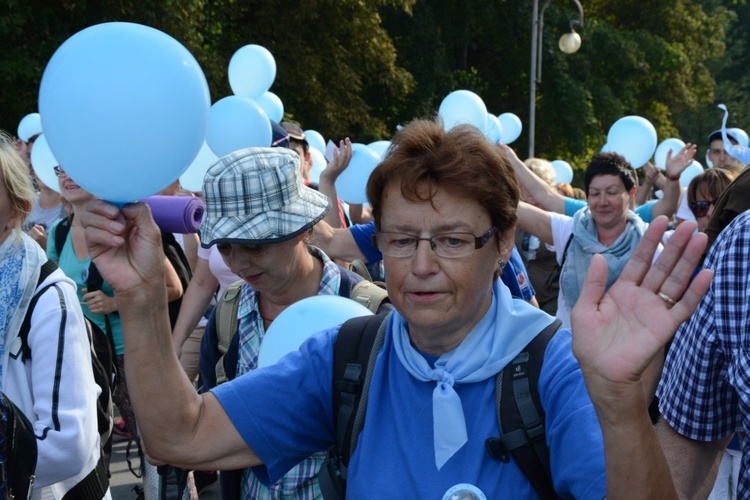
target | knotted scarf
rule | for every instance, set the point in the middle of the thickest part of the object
(586, 243)
(507, 327)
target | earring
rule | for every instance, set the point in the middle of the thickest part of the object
(500, 264)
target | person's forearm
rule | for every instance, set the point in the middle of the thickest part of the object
(668, 203)
(635, 464)
(151, 366)
(544, 194)
(327, 186)
(643, 193)
(194, 304)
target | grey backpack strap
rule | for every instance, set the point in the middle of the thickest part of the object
(357, 346)
(226, 324)
(521, 416)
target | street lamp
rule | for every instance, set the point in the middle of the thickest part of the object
(569, 44)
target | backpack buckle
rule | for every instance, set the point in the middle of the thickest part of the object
(496, 449)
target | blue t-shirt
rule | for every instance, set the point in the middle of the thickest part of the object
(645, 211)
(284, 413)
(514, 273)
(77, 270)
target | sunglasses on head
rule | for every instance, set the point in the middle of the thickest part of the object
(700, 208)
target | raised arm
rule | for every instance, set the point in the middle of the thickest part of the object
(616, 338)
(676, 164)
(185, 429)
(535, 221)
(194, 303)
(544, 194)
(337, 243)
(327, 184)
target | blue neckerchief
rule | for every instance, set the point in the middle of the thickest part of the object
(507, 327)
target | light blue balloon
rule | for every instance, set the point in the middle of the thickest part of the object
(462, 107)
(740, 135)
(319, 164)
(29, 126)
(511, 127)
(125, 109)
(237, 123)
(252, 70)
(634, 138)
(563, 171)
(315, 140)
(192, 178)
(380, 147)
(44, 163)
(272, 105)
(351, 185)
(691, 171)
(494, 132)
(303, 319)
(660, 156)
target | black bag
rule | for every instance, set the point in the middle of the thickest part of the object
(17, 451)
(102, 364)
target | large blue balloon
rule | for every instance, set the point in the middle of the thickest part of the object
(634, 138)
(29, 126)
(272, 105)
(251, 71)
(462, 107)
(691, 171)
(563, 171)
(319, 164)
(303, 319)
(351, 185)
(237, 123)
(494, 132)
(192, 178)
(660, 155)
(315, 140)
(44, 163)
(380, 147)
(511, 127)
(741, 136)
(125, 109)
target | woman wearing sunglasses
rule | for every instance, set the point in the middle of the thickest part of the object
(703, 192)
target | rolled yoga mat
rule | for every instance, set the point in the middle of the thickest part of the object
(177, 214)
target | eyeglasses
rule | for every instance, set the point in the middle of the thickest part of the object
(59, 171)
(445, 245)
(700, 208)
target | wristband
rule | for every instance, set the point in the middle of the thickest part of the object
(673, 177)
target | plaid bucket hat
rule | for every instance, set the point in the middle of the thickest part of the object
(256, 196)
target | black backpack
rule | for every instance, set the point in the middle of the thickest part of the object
(104, 370)
(172, 250)
(18, 452)
(519, 409)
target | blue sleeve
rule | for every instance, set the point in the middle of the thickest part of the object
(284, 412)
(573, 205)
(573, 432)
(646, 211)
(362, 234)
(516, 278)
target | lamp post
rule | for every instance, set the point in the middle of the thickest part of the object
(569, 44)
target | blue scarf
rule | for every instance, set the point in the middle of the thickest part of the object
(500, 335)
(585, 244)
(20, 262)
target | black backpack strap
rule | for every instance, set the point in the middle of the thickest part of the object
(521, 416)
(61, 233)
(19, 449)
(47, 269)
(358, 343)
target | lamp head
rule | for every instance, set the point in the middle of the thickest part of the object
(570, 42)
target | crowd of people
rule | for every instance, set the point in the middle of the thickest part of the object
(480, 253)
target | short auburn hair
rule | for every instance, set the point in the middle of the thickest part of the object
(461, 161)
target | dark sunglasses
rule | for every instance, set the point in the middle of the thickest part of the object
(700, 208)
(58, 171)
